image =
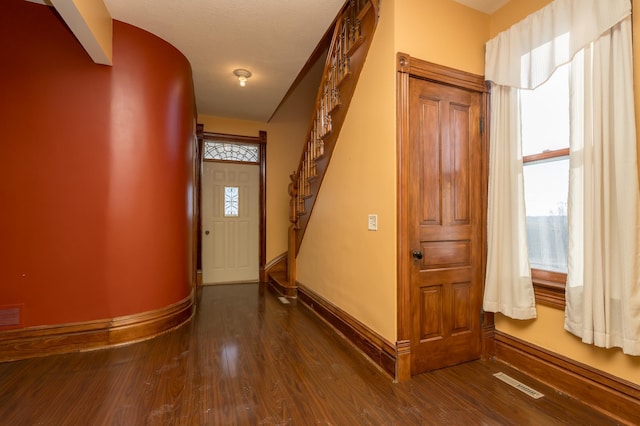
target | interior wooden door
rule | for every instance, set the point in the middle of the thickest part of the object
(230, 222)
(444, 217)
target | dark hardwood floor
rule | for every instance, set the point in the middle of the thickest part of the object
(248, 359)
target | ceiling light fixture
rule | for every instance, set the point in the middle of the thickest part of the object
(242, 75)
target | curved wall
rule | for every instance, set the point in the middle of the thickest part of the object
(96, 171)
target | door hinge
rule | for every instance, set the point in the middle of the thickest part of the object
(481, 125)
(481, 317)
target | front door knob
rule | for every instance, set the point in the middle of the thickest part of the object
(417, 255)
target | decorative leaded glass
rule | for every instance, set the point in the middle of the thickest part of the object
(231, 203)
(229, 151)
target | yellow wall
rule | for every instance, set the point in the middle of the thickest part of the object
(513, 12)
(287, 133)
(91, 24)
(232, 126)
(353, 268)
(441, 31)
(285, 137)
(339, 258)
(98, 20)
(547, 331)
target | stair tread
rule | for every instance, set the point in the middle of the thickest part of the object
(280, 277)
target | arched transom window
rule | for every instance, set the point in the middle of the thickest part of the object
(230, 151)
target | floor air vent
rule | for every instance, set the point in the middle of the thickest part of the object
(520, 386)
(10, 316)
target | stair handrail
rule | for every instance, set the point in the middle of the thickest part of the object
(347, 38)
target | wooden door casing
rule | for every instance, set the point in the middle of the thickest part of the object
(261, 140)
(442, 197)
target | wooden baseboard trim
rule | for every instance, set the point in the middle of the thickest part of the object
(278, 263)
(488, 336)
(403, 360)
(276, 266)
(374, 346)
(36, 342)
(278, 280)
(608, 394)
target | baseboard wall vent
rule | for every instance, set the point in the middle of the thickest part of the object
(518, 385)
(284, 300)
(10, 316)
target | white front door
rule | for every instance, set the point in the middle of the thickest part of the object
(230, 229)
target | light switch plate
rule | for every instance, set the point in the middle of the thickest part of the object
(372, 222)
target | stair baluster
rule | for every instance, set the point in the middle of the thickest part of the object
(352, 37)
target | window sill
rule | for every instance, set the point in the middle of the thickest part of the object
(550, 294)
(549, 288)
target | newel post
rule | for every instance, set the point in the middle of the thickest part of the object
(293, 218)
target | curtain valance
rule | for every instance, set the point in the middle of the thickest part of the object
(525, 55)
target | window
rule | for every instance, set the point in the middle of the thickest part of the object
(546, 188)
(604, 192)
(544, 116)
(229, 151)
(231, 201)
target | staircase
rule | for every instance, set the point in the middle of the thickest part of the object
(352, 35)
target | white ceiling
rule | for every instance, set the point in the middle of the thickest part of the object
(486, 6)
(273, 39)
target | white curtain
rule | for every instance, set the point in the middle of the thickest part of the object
(528, 53)
(508, 287)
(603, 294)
(603, 290)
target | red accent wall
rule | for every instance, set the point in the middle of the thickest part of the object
(96, 171)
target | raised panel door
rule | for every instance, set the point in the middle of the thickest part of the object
(444, 213)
